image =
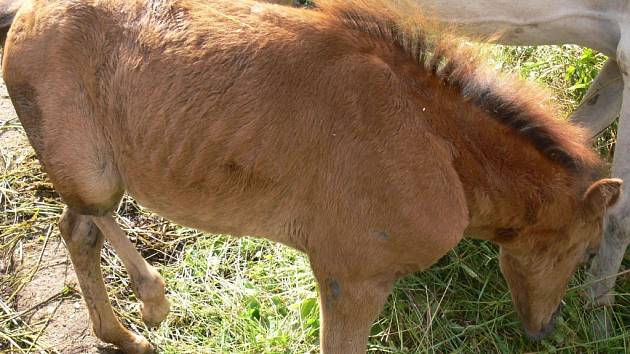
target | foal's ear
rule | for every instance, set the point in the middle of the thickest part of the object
(603, 194)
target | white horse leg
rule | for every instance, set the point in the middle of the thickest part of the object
(617, 222)
(602, 102)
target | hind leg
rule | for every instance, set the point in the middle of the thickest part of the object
(84, 242)
(74, 148)
(602, 103)
(146, 282)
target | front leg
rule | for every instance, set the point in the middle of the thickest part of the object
(606, 264)
(350, 301)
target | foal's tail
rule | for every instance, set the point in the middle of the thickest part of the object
(8, 9)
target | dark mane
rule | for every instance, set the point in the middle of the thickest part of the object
(509, 101)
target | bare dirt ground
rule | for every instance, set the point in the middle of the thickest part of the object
(50, 299)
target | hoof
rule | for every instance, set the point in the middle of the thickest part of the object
(153, 313)
(138, 346)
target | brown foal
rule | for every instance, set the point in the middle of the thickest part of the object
(362, 140)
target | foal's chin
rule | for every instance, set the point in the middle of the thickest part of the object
(546, 329)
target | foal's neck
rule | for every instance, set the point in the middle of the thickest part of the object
(508, 183)
(519, 166)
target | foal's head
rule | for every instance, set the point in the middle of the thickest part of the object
(540, 261)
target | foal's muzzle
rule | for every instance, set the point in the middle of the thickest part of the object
(548, 328)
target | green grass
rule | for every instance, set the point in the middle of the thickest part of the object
(252, 296)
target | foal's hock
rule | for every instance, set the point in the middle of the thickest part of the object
(365, 142)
